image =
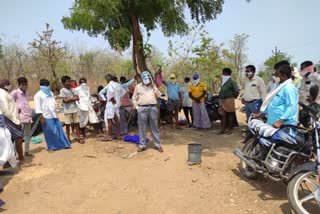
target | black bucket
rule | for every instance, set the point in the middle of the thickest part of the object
(194, 153)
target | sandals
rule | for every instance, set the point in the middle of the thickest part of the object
(107, 138)
(81, 140)
(178, 127)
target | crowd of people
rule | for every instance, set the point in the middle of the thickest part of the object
(278, 100)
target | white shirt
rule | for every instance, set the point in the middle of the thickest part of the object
(45, 105)
(115, 91)
(8, 107)
(186, 100)
(254, 89)
(83, 92)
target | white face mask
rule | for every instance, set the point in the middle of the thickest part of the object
(225, 78)
(146, 81)
(8, 87)
(195, 82)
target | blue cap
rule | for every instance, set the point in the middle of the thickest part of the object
(196, 76)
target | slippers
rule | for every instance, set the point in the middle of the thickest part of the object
(4, 173)
(107, 139)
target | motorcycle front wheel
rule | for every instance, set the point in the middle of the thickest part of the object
(250, 150)
(304, 193)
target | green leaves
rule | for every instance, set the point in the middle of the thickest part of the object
(111, 17)
(120, 21)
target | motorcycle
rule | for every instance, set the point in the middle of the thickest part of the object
(212, 106)
(290, 154)
(164, 113)
(304, 183)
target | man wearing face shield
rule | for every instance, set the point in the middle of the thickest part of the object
(86, 111)
(254, 91)
(197, 92)
(11, 118)
(309, 78)
(21, 98)
(145, 101)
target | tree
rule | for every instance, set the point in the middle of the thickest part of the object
(268, 69)
(12, 60)
(86, 63)
(1, 49)
(210, 59)
(276, 57)
(238, 47)
(48, 51)
(121, 22)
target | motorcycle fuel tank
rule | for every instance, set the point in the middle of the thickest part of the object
(288, 135)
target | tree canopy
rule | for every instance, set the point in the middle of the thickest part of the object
(121, 22)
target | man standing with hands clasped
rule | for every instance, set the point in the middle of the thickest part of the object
(145, 101)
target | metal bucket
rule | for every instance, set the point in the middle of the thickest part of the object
(194, 153)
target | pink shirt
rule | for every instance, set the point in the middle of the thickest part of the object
(22, 101)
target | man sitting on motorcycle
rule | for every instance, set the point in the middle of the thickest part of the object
(281, 105)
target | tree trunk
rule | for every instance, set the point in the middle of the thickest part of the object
(137, 45)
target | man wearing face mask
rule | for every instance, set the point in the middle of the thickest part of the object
(145, 101)
(174, 99)
(273, 83)
(45, 107)
(197, 92)
(309, 78)
(86, 111)
(112, 112)
(21, 97)
(254, 91)
(281, 104)
(10, 112)
(296, 77)
(186, 101)
(228, 92)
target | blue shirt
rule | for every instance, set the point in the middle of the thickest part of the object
(173, 90)
(284, 106)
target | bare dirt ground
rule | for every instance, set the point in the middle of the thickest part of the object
(94, 178)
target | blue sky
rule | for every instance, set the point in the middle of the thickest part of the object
(291, 25)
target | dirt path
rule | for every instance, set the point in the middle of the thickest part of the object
(94, 178)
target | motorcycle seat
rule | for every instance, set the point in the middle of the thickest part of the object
(261, 128)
